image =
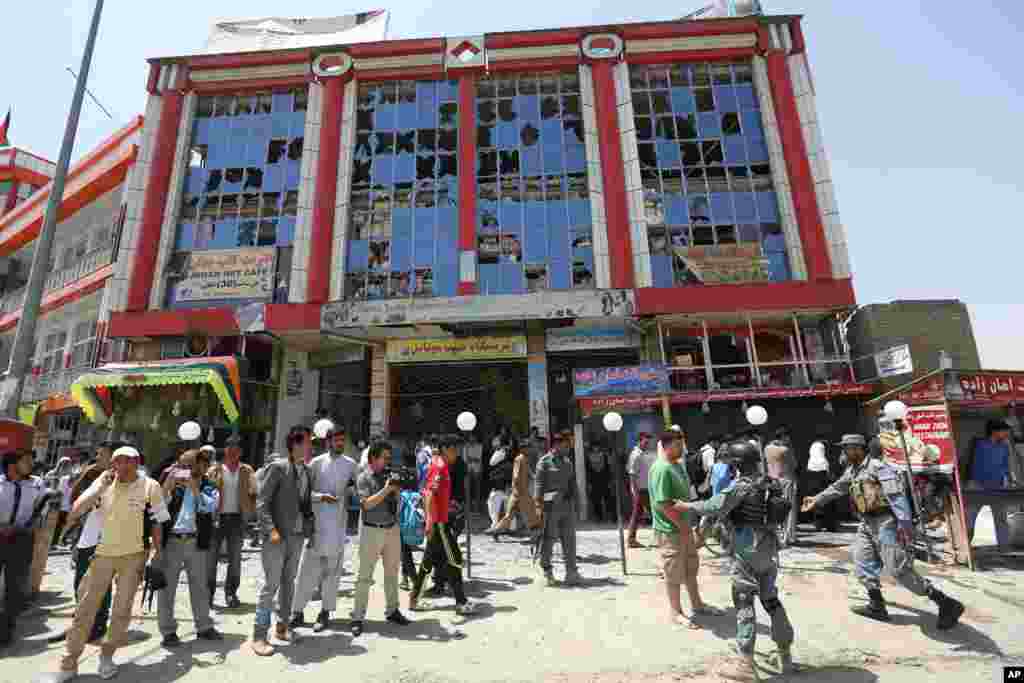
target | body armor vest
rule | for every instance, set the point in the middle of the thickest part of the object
(765, 506)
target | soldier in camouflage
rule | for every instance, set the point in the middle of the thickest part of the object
(555, 491)
(753, 505)
(886, 532)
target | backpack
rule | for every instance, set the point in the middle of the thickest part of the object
(411, 520)
(501, 475)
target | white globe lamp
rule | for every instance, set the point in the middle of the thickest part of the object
(322, 428)
(896, 410)
(612, 422)
(466, 421)
(757, 415)
(189, 431)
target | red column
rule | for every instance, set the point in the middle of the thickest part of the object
(467, 175)
(147, 243)
(321, 235)
(12, 195)
(798, 166)
(613, 176)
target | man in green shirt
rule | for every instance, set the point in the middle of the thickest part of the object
(669, 489)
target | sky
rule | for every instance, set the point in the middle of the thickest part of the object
(918, 103)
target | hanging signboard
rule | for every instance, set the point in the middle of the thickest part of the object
(456, 349)
(549, 304)
(894, 361)
(227, 274)
(639, 379)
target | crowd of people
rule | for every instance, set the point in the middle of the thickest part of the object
(129, 529)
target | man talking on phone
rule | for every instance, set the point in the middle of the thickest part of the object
(125, 497)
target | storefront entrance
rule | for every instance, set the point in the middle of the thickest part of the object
(427, 398)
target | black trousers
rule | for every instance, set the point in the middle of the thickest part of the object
(231, 527)
(16, 565)
(826, 517)
(441, 552)
(455, 525)
(83, 558)
(408, 564)
(601, 498)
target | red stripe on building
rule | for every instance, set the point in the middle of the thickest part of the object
(620, 246)
(801, 180)
(12, 197)
(759, 296)
(147, 242)
(467, 172)
(63, 296)
(321, 235)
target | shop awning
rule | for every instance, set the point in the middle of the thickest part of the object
(91, 390)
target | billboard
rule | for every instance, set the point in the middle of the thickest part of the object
(227, 274)
(638, 379)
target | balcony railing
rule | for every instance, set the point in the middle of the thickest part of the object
(776, 375)
(88, 264)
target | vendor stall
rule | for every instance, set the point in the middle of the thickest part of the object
(949, 416)
(150, 399)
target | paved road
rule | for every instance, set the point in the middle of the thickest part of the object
(613, 629)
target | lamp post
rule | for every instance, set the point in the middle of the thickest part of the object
(896, 411)
(24, 338)
(613, 423)
(467, 423)
(757, 416)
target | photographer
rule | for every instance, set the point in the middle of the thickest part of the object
(186, 540)
(380, 538)
(19, 492)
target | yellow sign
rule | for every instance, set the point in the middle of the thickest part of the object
(725, 264)
(227, 274)
(449, 350)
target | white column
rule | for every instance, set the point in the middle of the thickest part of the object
(780, 174)
(307, 192)
(116, 291)
(169, 228)
(821, 172)
(341, 205)
(297, 399)
(599, 221)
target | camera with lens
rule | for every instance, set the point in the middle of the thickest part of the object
(405, 476)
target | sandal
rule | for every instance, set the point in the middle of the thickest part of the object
(707, 611)
(683, 620)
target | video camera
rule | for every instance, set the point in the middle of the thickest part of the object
(405, 476)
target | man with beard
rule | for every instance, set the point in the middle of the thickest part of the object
(332, 474)
(885, 534)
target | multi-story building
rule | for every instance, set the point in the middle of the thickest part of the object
(68, 331)
(396, 231)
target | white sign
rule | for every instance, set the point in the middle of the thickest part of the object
(894, 361)
(591, 338)
(606, 303)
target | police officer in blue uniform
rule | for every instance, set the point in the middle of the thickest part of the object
(885, 533)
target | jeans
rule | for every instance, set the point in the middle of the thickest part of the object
(15, 563)
(231, 528)
(280, 564)
(83, 558)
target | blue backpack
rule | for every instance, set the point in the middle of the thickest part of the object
(411, 520)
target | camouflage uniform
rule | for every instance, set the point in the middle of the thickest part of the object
(754, 566)
(879, 495)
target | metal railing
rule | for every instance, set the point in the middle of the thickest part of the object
(88, 264)
(782, 374)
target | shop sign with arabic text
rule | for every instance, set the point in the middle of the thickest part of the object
(227, 274)
(456, 349)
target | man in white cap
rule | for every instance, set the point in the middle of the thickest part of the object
(125, 498)
(331, 475)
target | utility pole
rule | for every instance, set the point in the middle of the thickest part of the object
(24, 339)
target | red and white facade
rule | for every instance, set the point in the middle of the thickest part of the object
(624, 242)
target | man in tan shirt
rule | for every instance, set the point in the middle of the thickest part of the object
(124, 497)
(520, 499)
(236, 483)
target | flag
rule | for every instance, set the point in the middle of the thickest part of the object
(4, 142)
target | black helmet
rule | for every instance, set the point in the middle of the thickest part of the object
(742, 454)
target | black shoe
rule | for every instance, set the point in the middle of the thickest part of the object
(357, 629)
(298, 621)
(875, 609)
(210, 634)
(322, 622)
(397, 617)
(233, 602)
(950, 610)
(171, 640)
